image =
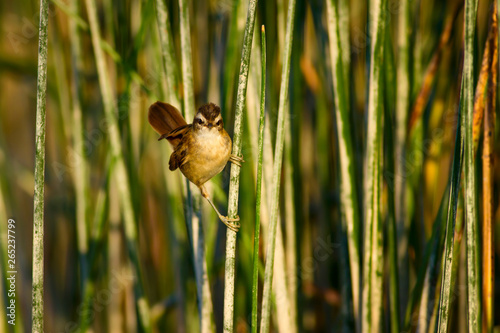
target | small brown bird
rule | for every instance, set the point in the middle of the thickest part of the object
(201, 149)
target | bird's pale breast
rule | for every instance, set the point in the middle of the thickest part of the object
(209, 153)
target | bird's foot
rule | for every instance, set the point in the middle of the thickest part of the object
(231, 223)
(236, 160)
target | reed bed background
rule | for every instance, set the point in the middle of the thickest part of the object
(371, 140)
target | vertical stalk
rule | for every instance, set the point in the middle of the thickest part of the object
(373, 244)
(167, 51)
(255, 284)
(391, 215)
(348, 196)
(193, 209)
(456, 170)
(80, 176)
(38, 223)
(278, 160)
(187, 60)
(471, 213)
(402, 110)
(120, 171)
(229, 279)
(488, 162)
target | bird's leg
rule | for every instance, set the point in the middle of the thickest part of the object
(236, 160)
(231, 223)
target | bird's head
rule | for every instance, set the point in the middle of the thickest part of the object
(208, 118)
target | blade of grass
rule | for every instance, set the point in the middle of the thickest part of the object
(120, 171)
(471, 213)
(488, 254)
(255, 284)
(229, 278)
(348, 197)
(373, 244)
(278, 160)
(37, 313)
(446, 286)
(285, 288)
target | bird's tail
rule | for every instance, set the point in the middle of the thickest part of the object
(165, 118)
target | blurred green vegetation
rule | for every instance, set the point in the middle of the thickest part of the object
(97, 289)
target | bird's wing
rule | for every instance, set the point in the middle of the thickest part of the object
(177, 134)
(180, 155)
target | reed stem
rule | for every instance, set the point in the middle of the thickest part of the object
(229, 278)
(278, 160)
(255, 282)
(38, 215)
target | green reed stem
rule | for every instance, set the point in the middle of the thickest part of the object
(348, 196)
(229, 279)
(278, 160)
(255, 282)
(38, 221)
(446, 280)
(371, 313)
(471, 210)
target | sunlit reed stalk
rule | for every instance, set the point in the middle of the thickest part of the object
(229, 278)
(373, 242)
(278, 159)
(488, 254)
(348, 198)
(255, 277)
(120, 171)
(193, 209)
(471, 211)
(285, 285)
(37, 309)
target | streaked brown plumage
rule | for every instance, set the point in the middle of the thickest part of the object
(201, 149)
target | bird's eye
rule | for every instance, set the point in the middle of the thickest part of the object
(199, 121)
(218, 123)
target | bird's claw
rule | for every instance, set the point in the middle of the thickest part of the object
(231, 223)
(236, 160)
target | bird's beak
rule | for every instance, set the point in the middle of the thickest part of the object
(210, 126)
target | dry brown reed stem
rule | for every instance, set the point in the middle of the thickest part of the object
(488, 148)
(482, 83)
(430, 73)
